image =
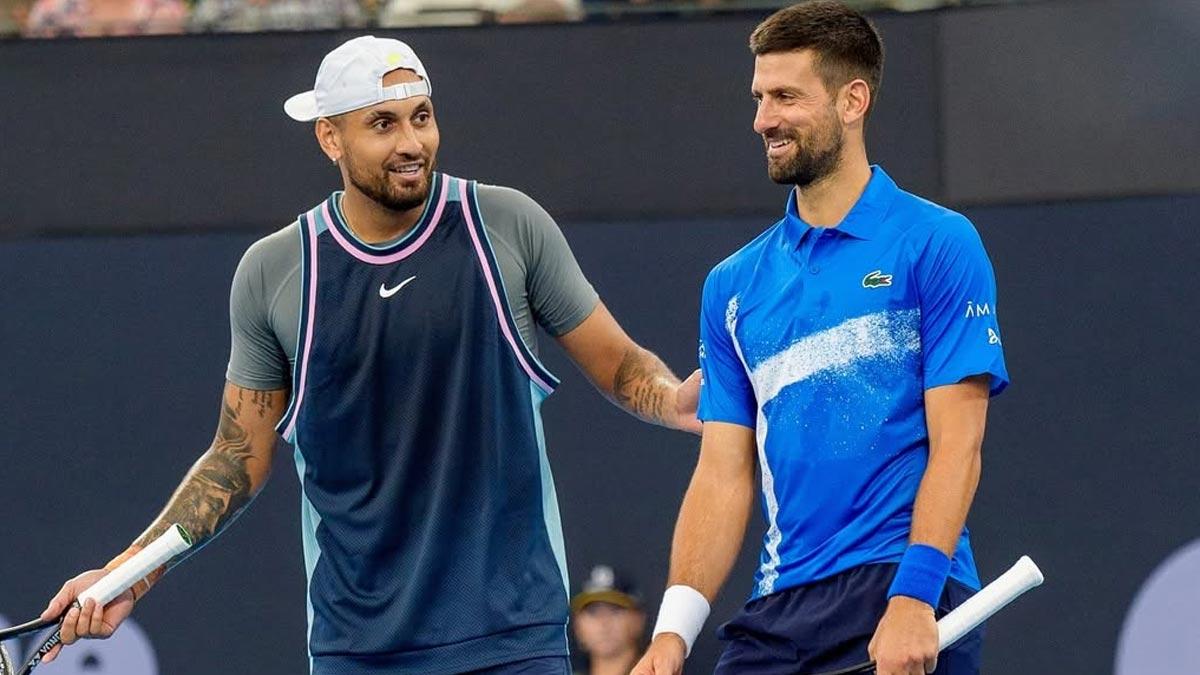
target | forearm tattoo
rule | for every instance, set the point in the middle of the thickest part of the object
(644, 385)
(219, 485)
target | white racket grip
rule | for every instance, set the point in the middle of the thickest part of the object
(1019, 578)
(168, 545)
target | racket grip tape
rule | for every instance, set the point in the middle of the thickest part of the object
(169, 544)
(1019, 578)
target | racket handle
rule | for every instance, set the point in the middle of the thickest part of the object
(961, 620)
(117, 581)
(1019, 578)
(168, 545)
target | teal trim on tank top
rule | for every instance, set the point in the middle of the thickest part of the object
(434, 191)
(310, 519)
(550, 513)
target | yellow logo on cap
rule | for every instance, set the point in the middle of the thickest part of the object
(394, 58)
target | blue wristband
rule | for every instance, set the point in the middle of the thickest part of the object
(921, 575)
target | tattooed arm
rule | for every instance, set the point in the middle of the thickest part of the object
(630, 376)
(225, 478)
(216, 489)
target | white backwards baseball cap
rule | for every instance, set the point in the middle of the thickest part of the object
(351, 77)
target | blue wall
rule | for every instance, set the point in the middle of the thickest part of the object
(112, 352)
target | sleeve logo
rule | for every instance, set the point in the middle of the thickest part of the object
(975, 309)
(877, 279)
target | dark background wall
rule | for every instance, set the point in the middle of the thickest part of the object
(636, 136)
(1080, 99)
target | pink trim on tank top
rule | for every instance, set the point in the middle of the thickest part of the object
(308, 335)
(398, 255)
(487, 274)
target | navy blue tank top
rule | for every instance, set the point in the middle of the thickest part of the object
(431, 530)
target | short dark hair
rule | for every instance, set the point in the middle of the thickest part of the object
(846, 43)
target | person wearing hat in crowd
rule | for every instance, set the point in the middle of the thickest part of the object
(388, 334)
(609, 622)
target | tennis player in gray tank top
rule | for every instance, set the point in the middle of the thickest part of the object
(374, 119)
(541, 277)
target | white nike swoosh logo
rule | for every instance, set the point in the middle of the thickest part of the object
(385, 292)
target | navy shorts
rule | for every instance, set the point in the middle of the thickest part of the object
(827, 625)
(547, 665)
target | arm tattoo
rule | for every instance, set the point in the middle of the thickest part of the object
(261, 400)
(219, 486)
(643, 385)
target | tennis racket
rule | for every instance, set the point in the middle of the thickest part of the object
(1019, 578)
(170, 544)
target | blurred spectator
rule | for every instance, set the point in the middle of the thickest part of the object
(609, 622)
(256, 15)
(396, 13)
(539, 11)
(915, 5)
(12, 16)
(87, 18)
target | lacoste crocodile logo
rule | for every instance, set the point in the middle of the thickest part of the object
(877, 279)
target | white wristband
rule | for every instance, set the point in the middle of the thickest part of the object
(683, 612)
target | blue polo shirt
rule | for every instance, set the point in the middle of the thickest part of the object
(824, 340)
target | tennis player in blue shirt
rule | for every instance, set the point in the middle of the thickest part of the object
(848, 356)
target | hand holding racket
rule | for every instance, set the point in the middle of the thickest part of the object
(1019, 578)
(94, 603)
(85, 618)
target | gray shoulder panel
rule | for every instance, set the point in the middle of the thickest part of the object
(542, 278)
(264, 312)
(542, 281)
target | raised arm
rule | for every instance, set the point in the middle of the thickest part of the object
(215, 490)
(564, 303)
(630, 376)
(708, 537)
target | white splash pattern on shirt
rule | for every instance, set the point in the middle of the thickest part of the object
(887, 334)
(768, 572)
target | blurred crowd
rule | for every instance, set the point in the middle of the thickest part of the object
(94, 18)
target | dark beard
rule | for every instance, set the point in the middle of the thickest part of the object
(380, 190)
(813, 161)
